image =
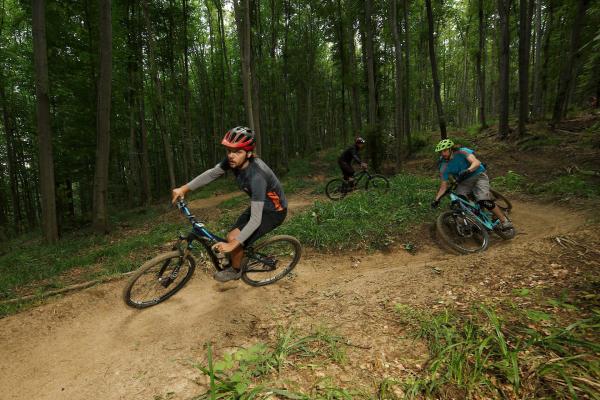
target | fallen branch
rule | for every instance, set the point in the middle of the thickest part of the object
(78, 286)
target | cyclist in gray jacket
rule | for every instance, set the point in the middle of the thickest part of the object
(268, 205)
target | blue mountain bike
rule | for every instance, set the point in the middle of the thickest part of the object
(466, 226)
(161, 277)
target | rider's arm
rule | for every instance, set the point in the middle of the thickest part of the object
(355, 156)
(258, 186)
(474, 163)
(206, 177)
(442, 190)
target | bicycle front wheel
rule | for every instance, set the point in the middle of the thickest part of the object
(271, 260)
(461, 232)
(378, 184)
(158, 279)
(336, 189)
(501, 201)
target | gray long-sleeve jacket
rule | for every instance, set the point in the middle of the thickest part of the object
(258, 181)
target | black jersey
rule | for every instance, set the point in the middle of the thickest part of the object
(350, 154)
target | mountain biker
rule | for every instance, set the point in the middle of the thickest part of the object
(469, 172)
(346, 158)
(268, 204)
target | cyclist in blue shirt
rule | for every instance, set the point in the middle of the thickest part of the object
(470, 175)
(268, 204)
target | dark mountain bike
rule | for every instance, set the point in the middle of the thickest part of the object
(466, 226)
(338, 188)
(161, 277)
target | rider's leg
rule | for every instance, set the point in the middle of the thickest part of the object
(236, 254)
(481, 191)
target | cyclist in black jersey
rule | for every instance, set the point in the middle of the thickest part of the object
(346, 158)
(268, 204)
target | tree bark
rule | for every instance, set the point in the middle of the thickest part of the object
(503, 65)
(188, 156)
(537, 67)
(158, 100)
(46, 161)
(399, 96)
(524, 47)
(243, 21)
(481, 66)
(566, 74)
(100, 208)
(434, 74)
(373, 134)
(407, 80)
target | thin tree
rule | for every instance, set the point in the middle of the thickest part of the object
(566, 75)
(100, 207)
(503, 67)
(398, 109)
(46, 161)
(434, 73)
(524, 47)
(480, 65)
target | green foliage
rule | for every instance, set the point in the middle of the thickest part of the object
(365, 220)
(510, 182)
(569, 185)
(239, 375)
(485, 356)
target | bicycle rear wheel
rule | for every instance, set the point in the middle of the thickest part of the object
(378, 184)
(501, 201)
(336, 189)
(271, 260)
(461, 232)
(158, 279)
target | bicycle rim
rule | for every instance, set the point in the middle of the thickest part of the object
(378, 184)
(333, 190)
(501, 201)
(156, 280)
(461, 233)
(272, 260)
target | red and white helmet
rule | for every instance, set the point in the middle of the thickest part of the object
(239, 137)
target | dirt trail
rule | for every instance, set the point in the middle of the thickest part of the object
(89, 345)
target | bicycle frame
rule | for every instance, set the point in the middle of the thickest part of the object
(359, 177)
(201, 233)
(482, 216)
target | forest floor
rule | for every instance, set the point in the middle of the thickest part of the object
(89, 345)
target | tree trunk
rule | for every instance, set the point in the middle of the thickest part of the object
(524, 47)
(481, 66)
(399, 109)
(434, 73)
(158, 100)
(243, 21)
(100, 207)
(188, 156)
(537, 68)
(46, 161)
(355, 91)
(407, 80)
(566, 74)
(503, 65)
(373, 131)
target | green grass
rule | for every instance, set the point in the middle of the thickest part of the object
(365, 220)
(570, 185)
(528, 354)
(245, 373)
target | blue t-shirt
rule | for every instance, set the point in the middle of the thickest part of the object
(457, 163)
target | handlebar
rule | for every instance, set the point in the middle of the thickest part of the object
(183, 207)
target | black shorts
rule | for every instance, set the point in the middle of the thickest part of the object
(346, 168)
(269, 221)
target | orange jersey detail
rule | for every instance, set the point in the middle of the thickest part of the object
(276, 201)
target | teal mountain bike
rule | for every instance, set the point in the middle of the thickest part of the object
(466, 226)
(161, 277)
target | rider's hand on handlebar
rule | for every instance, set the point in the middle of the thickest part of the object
(363, 165)
(178, 193)
(462, 174)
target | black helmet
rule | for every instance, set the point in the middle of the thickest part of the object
(360, 140)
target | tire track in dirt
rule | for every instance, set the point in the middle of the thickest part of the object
(90, 345)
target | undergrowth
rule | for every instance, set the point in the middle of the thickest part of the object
(365, 220)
